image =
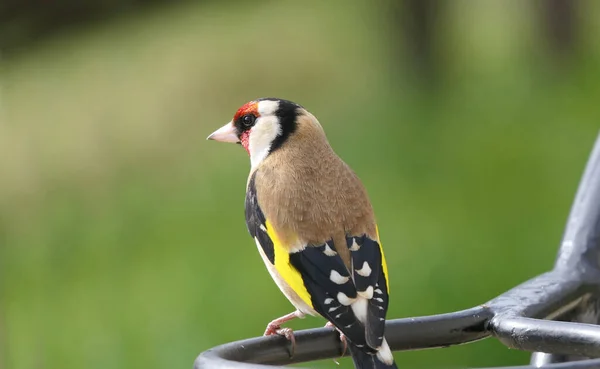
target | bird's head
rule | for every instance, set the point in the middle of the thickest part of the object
(261, 126)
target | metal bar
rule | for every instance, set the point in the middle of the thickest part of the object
(583, 364)
(580, 247)
(548, 336)
(539, 359)
(546, 296)
(312, 344)
(439, 330)
(402, 334)
(588, 311)
(579, 243)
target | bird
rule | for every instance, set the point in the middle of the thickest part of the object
(314, 226)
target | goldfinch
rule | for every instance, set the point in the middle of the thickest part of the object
(314, 226)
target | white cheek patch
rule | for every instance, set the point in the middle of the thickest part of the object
(261, 138)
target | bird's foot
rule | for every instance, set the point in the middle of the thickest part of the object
(274, 328)
(343, 339)
(288, 333)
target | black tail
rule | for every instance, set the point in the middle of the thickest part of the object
(365, 360)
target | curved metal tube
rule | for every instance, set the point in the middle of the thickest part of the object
(583, 364)
(402, 334)
(549, 336)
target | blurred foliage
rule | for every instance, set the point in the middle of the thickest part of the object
(122, 229)
(24, 22)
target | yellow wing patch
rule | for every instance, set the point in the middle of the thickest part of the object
(383, 262)
(282, 263)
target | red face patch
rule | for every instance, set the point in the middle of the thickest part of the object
(248, 108)
(244, 139)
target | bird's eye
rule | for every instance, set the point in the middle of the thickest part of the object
(248, 120)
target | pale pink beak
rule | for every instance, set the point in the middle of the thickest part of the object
(227, 133)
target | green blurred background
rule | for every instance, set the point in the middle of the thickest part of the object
(123, 243)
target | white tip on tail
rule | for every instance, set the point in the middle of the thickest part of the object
(384, 353)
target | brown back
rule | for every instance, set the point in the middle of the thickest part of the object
(310, 195)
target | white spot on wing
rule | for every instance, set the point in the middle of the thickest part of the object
(378, 299)
(328, 301)
(365, 271)
(344, 299)
(263, 228)
(329, 251)
(368, 293)
(355, 246)
(337, 278)
(378, 291)
(332, 309)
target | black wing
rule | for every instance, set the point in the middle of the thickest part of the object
(256, 221)
(336, 292)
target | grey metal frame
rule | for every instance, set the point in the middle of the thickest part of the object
(552, 315)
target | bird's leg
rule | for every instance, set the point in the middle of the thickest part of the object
(342, 337)
(275, 325)
(275, 328)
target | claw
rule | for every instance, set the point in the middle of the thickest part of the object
(343, 339)
(274, 328)
(288, 333)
